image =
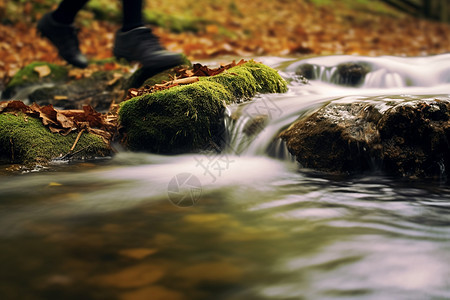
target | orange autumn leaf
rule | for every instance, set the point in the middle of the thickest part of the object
(43, 70)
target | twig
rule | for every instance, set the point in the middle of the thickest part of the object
(76, 140)
(72, 154)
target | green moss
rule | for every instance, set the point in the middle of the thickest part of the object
(239, 81)
(269, 81)
(186, 118)
(105, 10)
(181, 119)
(28, 76)
(173, 22)
(246, 80)
(26, 140)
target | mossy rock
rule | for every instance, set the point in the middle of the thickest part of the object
(246, 80)
(25, 140)
(187, 118)
(28, 76)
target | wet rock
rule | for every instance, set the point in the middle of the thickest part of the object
(256, 125)
(306, 70)
(351, 73)
(99, 90)
(405, 137)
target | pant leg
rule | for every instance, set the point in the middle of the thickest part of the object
(132, 14)
(67, 10)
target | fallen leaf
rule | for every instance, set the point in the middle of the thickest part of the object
(43, 70)
(60, 97)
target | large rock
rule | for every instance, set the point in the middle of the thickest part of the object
(187, 118)
(406, 137)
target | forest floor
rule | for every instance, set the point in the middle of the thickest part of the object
(204, 29)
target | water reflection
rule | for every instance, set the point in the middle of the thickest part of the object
(108, 234)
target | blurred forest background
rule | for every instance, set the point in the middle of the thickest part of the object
(204, 29)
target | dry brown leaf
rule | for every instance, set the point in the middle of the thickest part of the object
(43, 70)
(66, 121)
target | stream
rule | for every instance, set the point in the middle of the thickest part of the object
(246, 223)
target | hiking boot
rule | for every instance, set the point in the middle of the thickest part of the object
(64, 38)
(141, 45)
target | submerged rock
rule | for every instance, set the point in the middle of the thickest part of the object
(307, 70)
(186, 118)
(351, 73)
(406, 137)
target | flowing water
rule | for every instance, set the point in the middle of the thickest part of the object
(246, 223)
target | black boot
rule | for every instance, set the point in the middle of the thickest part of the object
(64, 37)
(141, 45)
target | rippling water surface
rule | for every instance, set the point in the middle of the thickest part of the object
(244, 224)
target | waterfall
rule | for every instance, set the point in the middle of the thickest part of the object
(253, 127)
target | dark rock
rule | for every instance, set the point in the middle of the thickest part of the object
(256, 125)
(99, 90)
(351, 73)
(307, 71)
(406, 138)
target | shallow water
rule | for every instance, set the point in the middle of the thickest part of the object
(243, 224)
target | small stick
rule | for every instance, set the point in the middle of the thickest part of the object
(72, 154)
(76, 140)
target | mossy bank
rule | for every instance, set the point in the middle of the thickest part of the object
(188, 118)
(25, 140)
